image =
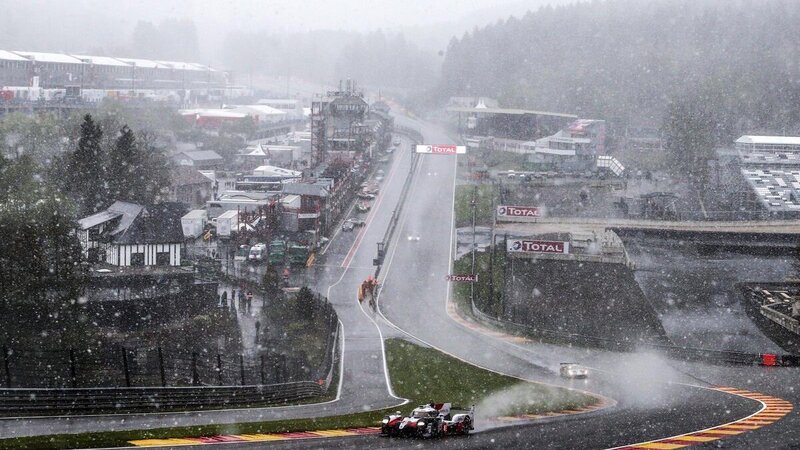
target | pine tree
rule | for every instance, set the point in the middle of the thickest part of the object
(86, 169)
(125, 172)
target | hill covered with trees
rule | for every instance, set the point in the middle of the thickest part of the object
(637, 63)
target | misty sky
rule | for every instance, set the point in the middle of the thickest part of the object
(294, 15)
(102, 25)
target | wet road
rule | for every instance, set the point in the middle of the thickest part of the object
(655, 397)
(650, 404)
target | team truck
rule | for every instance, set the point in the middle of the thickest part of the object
(277, 252)
(298, 254)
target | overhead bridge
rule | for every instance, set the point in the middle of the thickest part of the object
(555, 224)
(752, 234)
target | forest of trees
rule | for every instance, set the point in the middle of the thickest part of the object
(635, 63)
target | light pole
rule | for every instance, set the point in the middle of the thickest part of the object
(474, 216)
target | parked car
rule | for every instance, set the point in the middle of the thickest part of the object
(352, 223)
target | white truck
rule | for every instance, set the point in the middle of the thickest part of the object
(194, 222)
(227, 222)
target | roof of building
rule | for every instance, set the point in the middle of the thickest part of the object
(257, 109)
(185, 175)
(315, 190)
(59, 58)
(219, 113)
(101, 60)
(275, 171)
(196, 214)
(180, 65)
(511, 111)
(97, 219)
(9, 56)
(349, 100)
(775, 140)
(125, 211)
(155, 224)
(202, 155)
(145, 63)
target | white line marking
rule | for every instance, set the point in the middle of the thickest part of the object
(610, 402)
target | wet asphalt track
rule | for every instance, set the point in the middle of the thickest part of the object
(651, 401)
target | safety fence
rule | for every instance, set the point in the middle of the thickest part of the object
(24, 401)
(168, 365)
(416, 137)
(672, 351)
(136, 379)
(117, 366)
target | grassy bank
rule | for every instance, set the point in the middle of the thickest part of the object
(488, 289)
(423, 374)
(483, 201)
(418, 373)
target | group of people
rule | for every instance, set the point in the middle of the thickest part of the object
(367, 290)
(245, 300)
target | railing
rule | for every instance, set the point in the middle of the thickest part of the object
(25, 401)
(673, 351)
(116, 366)
(416, 137)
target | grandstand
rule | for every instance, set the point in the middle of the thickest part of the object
(59, 70)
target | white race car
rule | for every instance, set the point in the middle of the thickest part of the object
(572, 370)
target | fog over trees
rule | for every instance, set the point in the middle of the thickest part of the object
(628, 60)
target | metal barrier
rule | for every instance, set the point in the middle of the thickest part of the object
(673, 351)
(21, 402)
(416, 137)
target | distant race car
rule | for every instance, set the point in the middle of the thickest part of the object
(431, 420)
(572, 370)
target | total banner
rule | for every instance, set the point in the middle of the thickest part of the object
(536, 246)
(442, 149)
(504, 211)
(469, 278)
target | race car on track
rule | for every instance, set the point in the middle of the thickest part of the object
(431, 420)
(572, 370)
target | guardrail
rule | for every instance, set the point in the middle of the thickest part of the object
(673, 351)
(23, 401)
(416, 137)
